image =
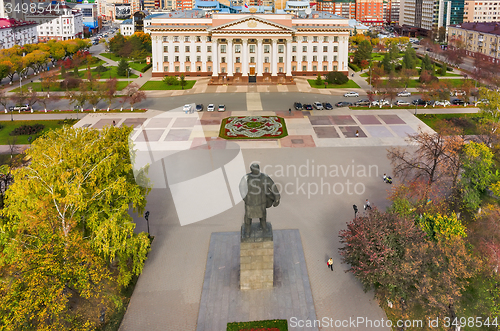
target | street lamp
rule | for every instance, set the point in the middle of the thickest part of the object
(146, 216)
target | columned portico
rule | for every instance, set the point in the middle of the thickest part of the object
(288, 63)
(259, 57)
(230, 61)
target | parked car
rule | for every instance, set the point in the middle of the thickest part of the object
(362, 102)
(327, 106)
(343, 104)
(308, 107)
(221, 108)
(318, 105)
(297, 106)
(199, 107)
(211, 107)
(443, 103)
(381, 101)
(186, 108)
(19, 108)
(351, 94)
(402, 103)
(404, 94)
(458, 102)
(420, 102)
(457, 93)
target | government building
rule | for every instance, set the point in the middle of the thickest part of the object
(249, 47)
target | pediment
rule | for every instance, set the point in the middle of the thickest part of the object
(251, 23)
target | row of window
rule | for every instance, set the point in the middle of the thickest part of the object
(238, 70)
(252, 59)
(237, 49)
(209, 39)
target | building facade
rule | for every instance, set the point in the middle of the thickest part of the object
(478, 38)
(419, 13)
(127, 27)
(482, 11)
(91, 19)
(14, 32)
(344, 8)
(370, 12)
(241, 48)
(62, 24)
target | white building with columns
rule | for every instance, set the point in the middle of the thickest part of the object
(241, 48)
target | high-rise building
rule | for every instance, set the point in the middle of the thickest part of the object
(370, 12)
(478, 38)
(391, 11)
(481, 11)
(431, 14)
(344, 8)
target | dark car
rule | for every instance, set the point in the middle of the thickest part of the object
(343, 104)
(297, 106)
(420, 102)
(327, 106)
(199, 107)
(307, 107)
(363, 102)
(458, 102)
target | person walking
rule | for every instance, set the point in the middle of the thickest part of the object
(329, 263)
(357, 133)
(114, 123)
(368, 205)
(289, 111)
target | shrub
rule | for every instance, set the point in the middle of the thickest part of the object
(146, 68)
(335, 77)
(27, 129)
(354, 67)
(1, 126)
(70, 82)
(101, 68)
(170, 80)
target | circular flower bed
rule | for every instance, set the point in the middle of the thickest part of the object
(253, 127)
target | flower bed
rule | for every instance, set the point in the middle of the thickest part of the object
(253, 127)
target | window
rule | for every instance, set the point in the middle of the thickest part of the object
(304, 68)
(238, 59)
(165, 68)
(334, 68)
(209, 58)
(198, 49)
(209, 39)
(223, 48)
(304, 58)
(325, 49)
(237, 48)
(294, 39)
(315, 58)
(223, 70)
(165, 59)
(335, 58)
(315, 39)
(294, 68)
(281, 48)
(251, 48)
(325, 39)
(325, 68)
(198, 38)
(165, 39)
(188, 68)
(304, 39)
(266, 59)
(280, 69)
(209, 48)
(294, 48)
(325, 57)
(176, 38)
(266, 48)
(315, 68)
(176, 59)
(176, 49)
(209, 68)
(188, 59)
(237, 69)
(335, 48)
(223, 60)
(266, 69)
(187, 49)
(186, 38)
(198, 68)
(176, 68)
(165, 48)
(198, 59)
(294, 58)
(304, 49)
(252, 59)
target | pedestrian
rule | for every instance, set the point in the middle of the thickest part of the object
(368, 205)
(114, 123)
(329, 263)
(140, 75)
(289, 111)
(385, 178)
(357, 133)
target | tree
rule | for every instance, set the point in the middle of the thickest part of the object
(405, 76)
(409, 58)
(335, 77)
(4, 99)
(133, 95)
(182, 81)
(444, 67)
(64, 233)
(110, 88)
(442, 34)
(426, 64)
(94, 97)
(319, 81)
(170, 80)
(47, 100)
(441, 227)
(387, 64)
(78, 98)
(122, 68)
(364, 52)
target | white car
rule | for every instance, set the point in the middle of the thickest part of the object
(351, 94)
(186, 108)
(402, 103)
(211, 107)
(221, 108)
(404, 94)
(318, 105)
(441, 103)
(381, 101)
(457, 93)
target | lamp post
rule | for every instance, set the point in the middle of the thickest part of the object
(146, 216)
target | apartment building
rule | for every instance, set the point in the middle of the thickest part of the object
(479, 38)
(482, 11)
(61, 24)
(344, 8)
(14, 32)
(370, 12)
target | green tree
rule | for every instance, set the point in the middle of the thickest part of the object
(442, 71)
(60, 237)
(441, 227)
(387, 64)
(364, 52)
(122, 68)
(182, 82)
(410, 58)
(492, 107)
(75, 72)
(426, 64)
(170, 80)
(319, 81)
(335, 77)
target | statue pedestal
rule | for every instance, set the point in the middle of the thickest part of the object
(257, 258)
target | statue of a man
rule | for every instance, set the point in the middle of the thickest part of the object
(259, 192)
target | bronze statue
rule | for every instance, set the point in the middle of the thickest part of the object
(259, 192)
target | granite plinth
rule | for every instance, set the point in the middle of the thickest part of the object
(257, 233)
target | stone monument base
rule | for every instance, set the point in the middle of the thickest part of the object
(257, 258)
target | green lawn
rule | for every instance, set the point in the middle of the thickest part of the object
(160, 85)
(365, 74)
(111, 72)
(448, 74)
(112, 57)
(137, 66)
(467, 122)
(349, 84)
(454, 82)
(281, 325)
(84, 66)
(37, 87)
(8, 126)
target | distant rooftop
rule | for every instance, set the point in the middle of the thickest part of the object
(6, 23)
(485, 27)
(128, 21)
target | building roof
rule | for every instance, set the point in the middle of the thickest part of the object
(127, 22)
(7, 23)
(485, 27)
(355, 24)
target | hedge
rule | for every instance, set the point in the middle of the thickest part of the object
(146, 68)
(354, 67)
